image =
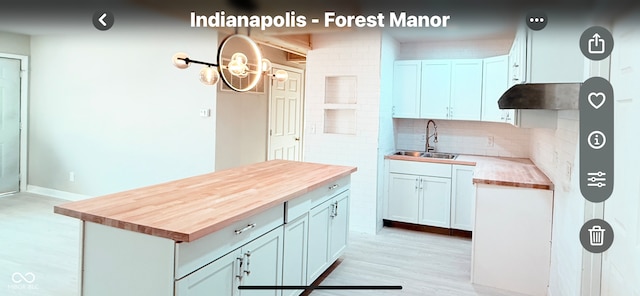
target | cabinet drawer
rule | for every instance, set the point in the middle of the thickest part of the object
(301, 205)
(193, 255)
(420, 168)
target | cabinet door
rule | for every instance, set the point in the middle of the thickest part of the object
(462, 197)
(466, 89)
(318, 250)
(434, 201)
(217, 278)
(494, 83)
(435, 90)
(403, 198)
(262, 264)
(339, 226)
(406, 89)
(294, 266)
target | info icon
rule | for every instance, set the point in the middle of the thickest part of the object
(536, 20)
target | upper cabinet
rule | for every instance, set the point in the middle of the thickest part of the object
(448, 89)
(406, 89)
(495, 81)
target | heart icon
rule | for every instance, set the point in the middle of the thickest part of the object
(593, 97)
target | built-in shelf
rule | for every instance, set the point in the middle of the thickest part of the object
(340, 105)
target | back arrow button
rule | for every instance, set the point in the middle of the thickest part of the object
(103, 20)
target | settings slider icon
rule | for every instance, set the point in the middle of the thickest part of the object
(597, 179)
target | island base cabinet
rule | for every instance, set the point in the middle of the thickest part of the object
(258, 263)
(328, 230)
(220, 276)
(294, 266)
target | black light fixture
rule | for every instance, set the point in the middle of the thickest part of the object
(239, 67)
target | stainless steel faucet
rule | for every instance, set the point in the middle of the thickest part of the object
(429, 148)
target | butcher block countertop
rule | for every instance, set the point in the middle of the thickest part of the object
(505, 171)
(188, 209)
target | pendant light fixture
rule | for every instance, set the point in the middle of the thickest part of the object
(245, 62)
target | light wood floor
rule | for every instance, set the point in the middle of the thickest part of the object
(34, 239)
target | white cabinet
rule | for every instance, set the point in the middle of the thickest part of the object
(462, 197)
(259, 262)
(419, 193)
(518, 58)
(221, 276)
(294, 266)
(434, 201)
(403, 198)
(406, 89)
(435, 90)
(328, 230)
(432, 194)
(451, 89)
(466, 89)
(511, 246)
(438, 89)
(495, 81)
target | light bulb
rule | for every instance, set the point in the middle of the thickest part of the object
(209, 75)
(281, 75)
(235, 68)
(178, 60)
(241, 58)
(266, 65)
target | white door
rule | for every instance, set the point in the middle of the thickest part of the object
(216, 278)
(435, 89)
(406, 89)
(463, 196)
(339, 226)
(621, 263)
(435, 201)
(495, 78)
(318, 250)
(9, 125)
(294, 266)
(262, 264)
(403, 198)
(466, 89)
(285, 113)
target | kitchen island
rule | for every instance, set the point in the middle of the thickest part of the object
(271, 223)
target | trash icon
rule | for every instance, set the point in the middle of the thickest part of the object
(596, 236)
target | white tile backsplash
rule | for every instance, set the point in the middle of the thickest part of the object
(465, 137)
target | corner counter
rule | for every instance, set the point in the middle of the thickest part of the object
(215, 232)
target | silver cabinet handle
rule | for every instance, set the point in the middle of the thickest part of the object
(416, 183)
(239, 268)
(334, 186)
(332, 212)
(336, 210)
(239, 231)
(247, 255)
(421, 180)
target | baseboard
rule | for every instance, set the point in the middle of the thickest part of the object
(56, 193)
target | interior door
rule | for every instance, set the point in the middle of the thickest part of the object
(286, 117)
(9, 125)
(621, 263)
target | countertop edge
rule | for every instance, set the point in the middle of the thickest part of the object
(179, 236)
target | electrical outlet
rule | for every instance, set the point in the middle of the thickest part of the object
(205, 112)
(555, 159)
(72, 176)
(423, 138)
(490, 141)
(567, 170)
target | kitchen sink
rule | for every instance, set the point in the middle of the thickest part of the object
(410, 153)
(441, 155)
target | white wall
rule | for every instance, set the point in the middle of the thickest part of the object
(352, 54)
(14, 43)
(555, 152)
(110, 107)
(466, 137)
(386, 139)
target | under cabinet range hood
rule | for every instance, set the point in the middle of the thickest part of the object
(550, 96)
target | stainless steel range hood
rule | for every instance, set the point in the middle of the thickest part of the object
(549, 96)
